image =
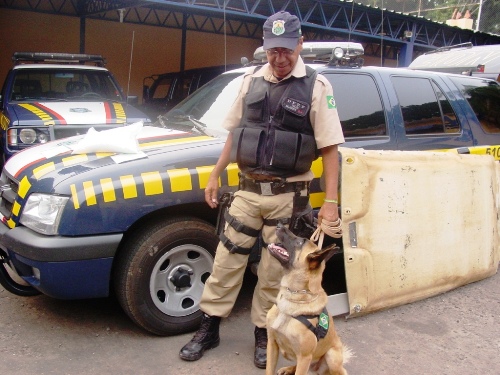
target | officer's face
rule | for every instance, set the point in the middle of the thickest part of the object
(282, 60)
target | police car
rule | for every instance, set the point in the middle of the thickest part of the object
(79, 225)
(48, 96)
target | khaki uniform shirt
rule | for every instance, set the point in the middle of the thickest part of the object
(324, 117)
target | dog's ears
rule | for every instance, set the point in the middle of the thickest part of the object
(320, 255)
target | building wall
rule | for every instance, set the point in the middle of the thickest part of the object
(154, 49)
(139, 49)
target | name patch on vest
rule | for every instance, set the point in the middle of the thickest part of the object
(295, 106)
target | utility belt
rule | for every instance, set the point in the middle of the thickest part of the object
(271, 185)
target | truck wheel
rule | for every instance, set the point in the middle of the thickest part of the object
(160, 274)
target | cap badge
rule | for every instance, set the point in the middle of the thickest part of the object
(278, 27)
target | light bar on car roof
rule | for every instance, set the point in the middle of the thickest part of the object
(34, 57)
(336, 53)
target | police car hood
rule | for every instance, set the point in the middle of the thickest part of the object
(57, 161)
(71, 113)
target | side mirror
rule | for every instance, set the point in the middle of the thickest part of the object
(133, 100)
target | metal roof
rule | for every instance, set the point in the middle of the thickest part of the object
(321, 20)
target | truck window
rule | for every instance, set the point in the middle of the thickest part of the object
(208, 103)
(424, 107)
(186, 85)
(162, 88)
(358, 120)
(484, 98)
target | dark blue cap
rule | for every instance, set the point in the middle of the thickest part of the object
(282, 30)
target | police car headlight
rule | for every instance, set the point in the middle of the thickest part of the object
(27, 136)
(42, 213)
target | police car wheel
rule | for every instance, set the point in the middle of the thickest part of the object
(161, 272)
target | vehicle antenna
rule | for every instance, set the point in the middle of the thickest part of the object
(130, 64)
(382, 35)
(225, 37)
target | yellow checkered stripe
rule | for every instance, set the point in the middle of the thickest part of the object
(146, 184)
(44, 116)
(126, 186)
(22, 192)
(316, 197)
(479, 150)
(120, 113)
(4, 121)
(37, 173)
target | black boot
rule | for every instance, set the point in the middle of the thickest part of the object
(207, 337)
(260, 354)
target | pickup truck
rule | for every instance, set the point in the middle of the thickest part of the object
(48, 96)
(464, 58)
(80, 226)
(162, 92)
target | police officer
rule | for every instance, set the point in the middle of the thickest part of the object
(283, 118)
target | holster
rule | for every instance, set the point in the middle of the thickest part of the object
(224, 204)
(303, 223)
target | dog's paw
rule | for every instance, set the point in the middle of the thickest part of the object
(290, 370)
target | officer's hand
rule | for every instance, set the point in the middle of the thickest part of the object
(329, 212)
(211, 192)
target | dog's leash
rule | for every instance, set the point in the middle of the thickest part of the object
(330, 228)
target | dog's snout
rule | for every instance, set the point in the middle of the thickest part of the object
(281, 231)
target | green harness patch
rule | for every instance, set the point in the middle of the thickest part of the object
(324, 321)
(321, 329)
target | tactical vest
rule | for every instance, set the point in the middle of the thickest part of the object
(275, 136)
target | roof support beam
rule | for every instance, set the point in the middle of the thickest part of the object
(321, 19)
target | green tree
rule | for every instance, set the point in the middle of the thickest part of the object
(490, 17)
(442, 10)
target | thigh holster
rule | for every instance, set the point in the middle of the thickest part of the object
(238, 226)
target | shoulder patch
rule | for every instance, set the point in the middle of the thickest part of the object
(330, 100)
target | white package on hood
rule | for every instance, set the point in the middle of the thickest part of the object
(119, 140)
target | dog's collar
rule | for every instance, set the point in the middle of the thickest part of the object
(303, 291)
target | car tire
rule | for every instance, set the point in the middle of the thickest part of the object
(161, 272)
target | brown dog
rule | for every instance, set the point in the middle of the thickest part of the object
(297, 325)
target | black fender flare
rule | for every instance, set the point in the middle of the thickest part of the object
(8, 282)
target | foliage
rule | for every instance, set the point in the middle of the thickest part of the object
(442, 10)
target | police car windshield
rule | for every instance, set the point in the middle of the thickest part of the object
(210, 103)
(63, 85)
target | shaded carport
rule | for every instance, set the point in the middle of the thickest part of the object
(385, 34)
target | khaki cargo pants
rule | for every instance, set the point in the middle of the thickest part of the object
(224, 284)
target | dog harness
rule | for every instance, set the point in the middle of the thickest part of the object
(321, 329)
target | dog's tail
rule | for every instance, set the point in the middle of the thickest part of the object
(347, 353)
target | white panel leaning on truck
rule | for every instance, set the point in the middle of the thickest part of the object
(416, 224)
